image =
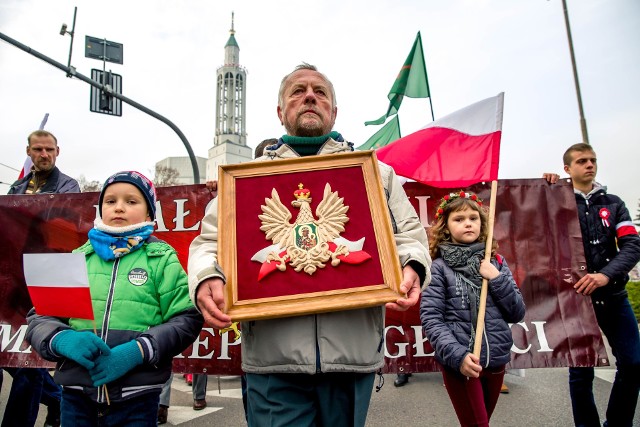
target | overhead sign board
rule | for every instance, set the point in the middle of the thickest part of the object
(103, 49)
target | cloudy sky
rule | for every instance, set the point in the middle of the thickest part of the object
(474, 49)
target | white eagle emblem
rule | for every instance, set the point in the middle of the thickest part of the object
(307, 243)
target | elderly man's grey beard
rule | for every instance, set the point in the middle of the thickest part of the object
(307, 129)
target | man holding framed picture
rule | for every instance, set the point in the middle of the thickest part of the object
(315, 369)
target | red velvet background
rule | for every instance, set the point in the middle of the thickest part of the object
(251, 193)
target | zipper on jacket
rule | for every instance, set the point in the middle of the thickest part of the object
(318, 361)
(105, 319)
(589, 220)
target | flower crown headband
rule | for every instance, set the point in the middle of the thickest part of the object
(452, 196)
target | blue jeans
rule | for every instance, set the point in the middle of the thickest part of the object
(337, 399)
(79, 410)
(618, 323)
(30, 387)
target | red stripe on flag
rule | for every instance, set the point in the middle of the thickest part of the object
(354, 257)
(267, 268)
(26, 168)
(62, 301)
(444, 157)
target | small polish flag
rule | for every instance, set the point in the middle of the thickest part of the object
(58, 284)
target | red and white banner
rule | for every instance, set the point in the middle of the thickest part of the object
(536, 226)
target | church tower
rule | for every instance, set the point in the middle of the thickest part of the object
(230, 141)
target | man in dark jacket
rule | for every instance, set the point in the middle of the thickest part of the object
(31, 386)
(44, 177)
(612, 249)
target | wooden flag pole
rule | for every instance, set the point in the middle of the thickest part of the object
(477, 345)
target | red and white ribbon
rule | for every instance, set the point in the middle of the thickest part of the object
(604, 215)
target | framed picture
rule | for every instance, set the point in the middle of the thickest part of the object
(305, 235)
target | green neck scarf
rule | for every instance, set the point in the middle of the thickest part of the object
(308, 146)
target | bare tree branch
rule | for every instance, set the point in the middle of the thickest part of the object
(166, 176)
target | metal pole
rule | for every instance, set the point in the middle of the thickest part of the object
(104, 56)
(72, 33)
(106, 88)
(583, 122)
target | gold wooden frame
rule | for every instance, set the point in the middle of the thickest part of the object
(299, 304)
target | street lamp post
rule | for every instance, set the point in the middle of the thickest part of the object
(583, 121)
(64, 31)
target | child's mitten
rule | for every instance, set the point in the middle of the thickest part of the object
(122, 359)
(81, 347)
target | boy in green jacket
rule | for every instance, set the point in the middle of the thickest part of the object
(142, 308)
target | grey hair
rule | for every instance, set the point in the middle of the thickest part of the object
(305, 66)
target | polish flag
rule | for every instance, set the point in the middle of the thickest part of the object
(26, 168)
(457, 150)
(58, 284)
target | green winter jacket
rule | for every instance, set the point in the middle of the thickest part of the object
(144, 296)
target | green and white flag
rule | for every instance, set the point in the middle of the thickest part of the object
(411, 82)
(389, 133)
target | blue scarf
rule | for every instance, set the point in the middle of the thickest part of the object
(115, 242)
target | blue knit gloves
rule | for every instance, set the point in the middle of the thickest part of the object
(122, 359)
(104, 364)
(81, 347)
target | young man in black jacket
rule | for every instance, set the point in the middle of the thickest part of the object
(612, 249)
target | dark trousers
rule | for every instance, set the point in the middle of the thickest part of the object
(30, 387)
(474, 399)
(325, 399)
(199, 386)
(80, 411)
(618, 323)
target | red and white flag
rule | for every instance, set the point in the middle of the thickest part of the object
(28, 164)
(58, 284)
(457, 150)
(26, 168)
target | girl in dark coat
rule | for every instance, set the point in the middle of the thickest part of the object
(449, 308)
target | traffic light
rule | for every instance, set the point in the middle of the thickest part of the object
(103, 101)
(105, 97)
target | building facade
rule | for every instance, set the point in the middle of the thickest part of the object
(184, 168)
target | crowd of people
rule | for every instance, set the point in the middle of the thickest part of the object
(310, 370)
